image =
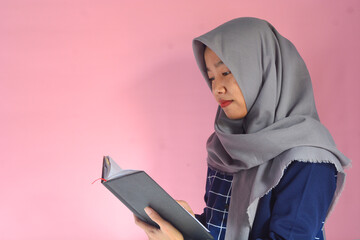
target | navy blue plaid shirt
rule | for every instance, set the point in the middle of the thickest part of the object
(294, 209)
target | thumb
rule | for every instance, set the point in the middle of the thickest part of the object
(154, 216)
(165, 226)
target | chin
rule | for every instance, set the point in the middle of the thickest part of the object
(235, 116)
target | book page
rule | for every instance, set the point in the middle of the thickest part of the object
(113, 170)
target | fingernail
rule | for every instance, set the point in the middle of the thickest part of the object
(148, 210)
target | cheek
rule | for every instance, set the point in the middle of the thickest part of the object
(240, 99)
(242, 104)
(235, 89)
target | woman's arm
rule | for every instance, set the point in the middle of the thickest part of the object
(298, 204)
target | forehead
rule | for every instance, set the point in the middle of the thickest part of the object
(211, 59)
(210, 54)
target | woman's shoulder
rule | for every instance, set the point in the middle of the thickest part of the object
(299, 174)
(297, 165)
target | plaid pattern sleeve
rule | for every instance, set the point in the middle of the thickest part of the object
(217, 197)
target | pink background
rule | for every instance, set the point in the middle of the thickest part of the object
(82, 79)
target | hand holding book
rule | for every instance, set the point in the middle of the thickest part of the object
(166, 230)
(137, 190)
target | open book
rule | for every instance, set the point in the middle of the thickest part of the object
(137, 190)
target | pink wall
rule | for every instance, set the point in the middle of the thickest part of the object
(80, 79)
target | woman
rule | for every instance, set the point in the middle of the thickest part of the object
(270, 156)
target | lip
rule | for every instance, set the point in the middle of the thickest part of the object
(225, 103)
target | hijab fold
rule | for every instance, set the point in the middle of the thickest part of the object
(281, 126)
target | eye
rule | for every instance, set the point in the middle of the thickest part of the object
(211, 79)
(226, 73)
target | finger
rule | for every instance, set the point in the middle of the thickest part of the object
(157, 218)
(165, 226)
(185, 205)
(149, 230)
(146, 227)
(153, 215)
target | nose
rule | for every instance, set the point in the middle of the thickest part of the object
(218, 87)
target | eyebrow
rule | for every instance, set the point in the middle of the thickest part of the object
(216, 65)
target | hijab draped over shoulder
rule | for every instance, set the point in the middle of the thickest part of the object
(281, 126)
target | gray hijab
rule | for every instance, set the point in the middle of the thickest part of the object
(282, 124)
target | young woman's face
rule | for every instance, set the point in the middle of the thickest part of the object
(224, 86)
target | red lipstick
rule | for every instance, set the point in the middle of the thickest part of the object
(225, 103)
